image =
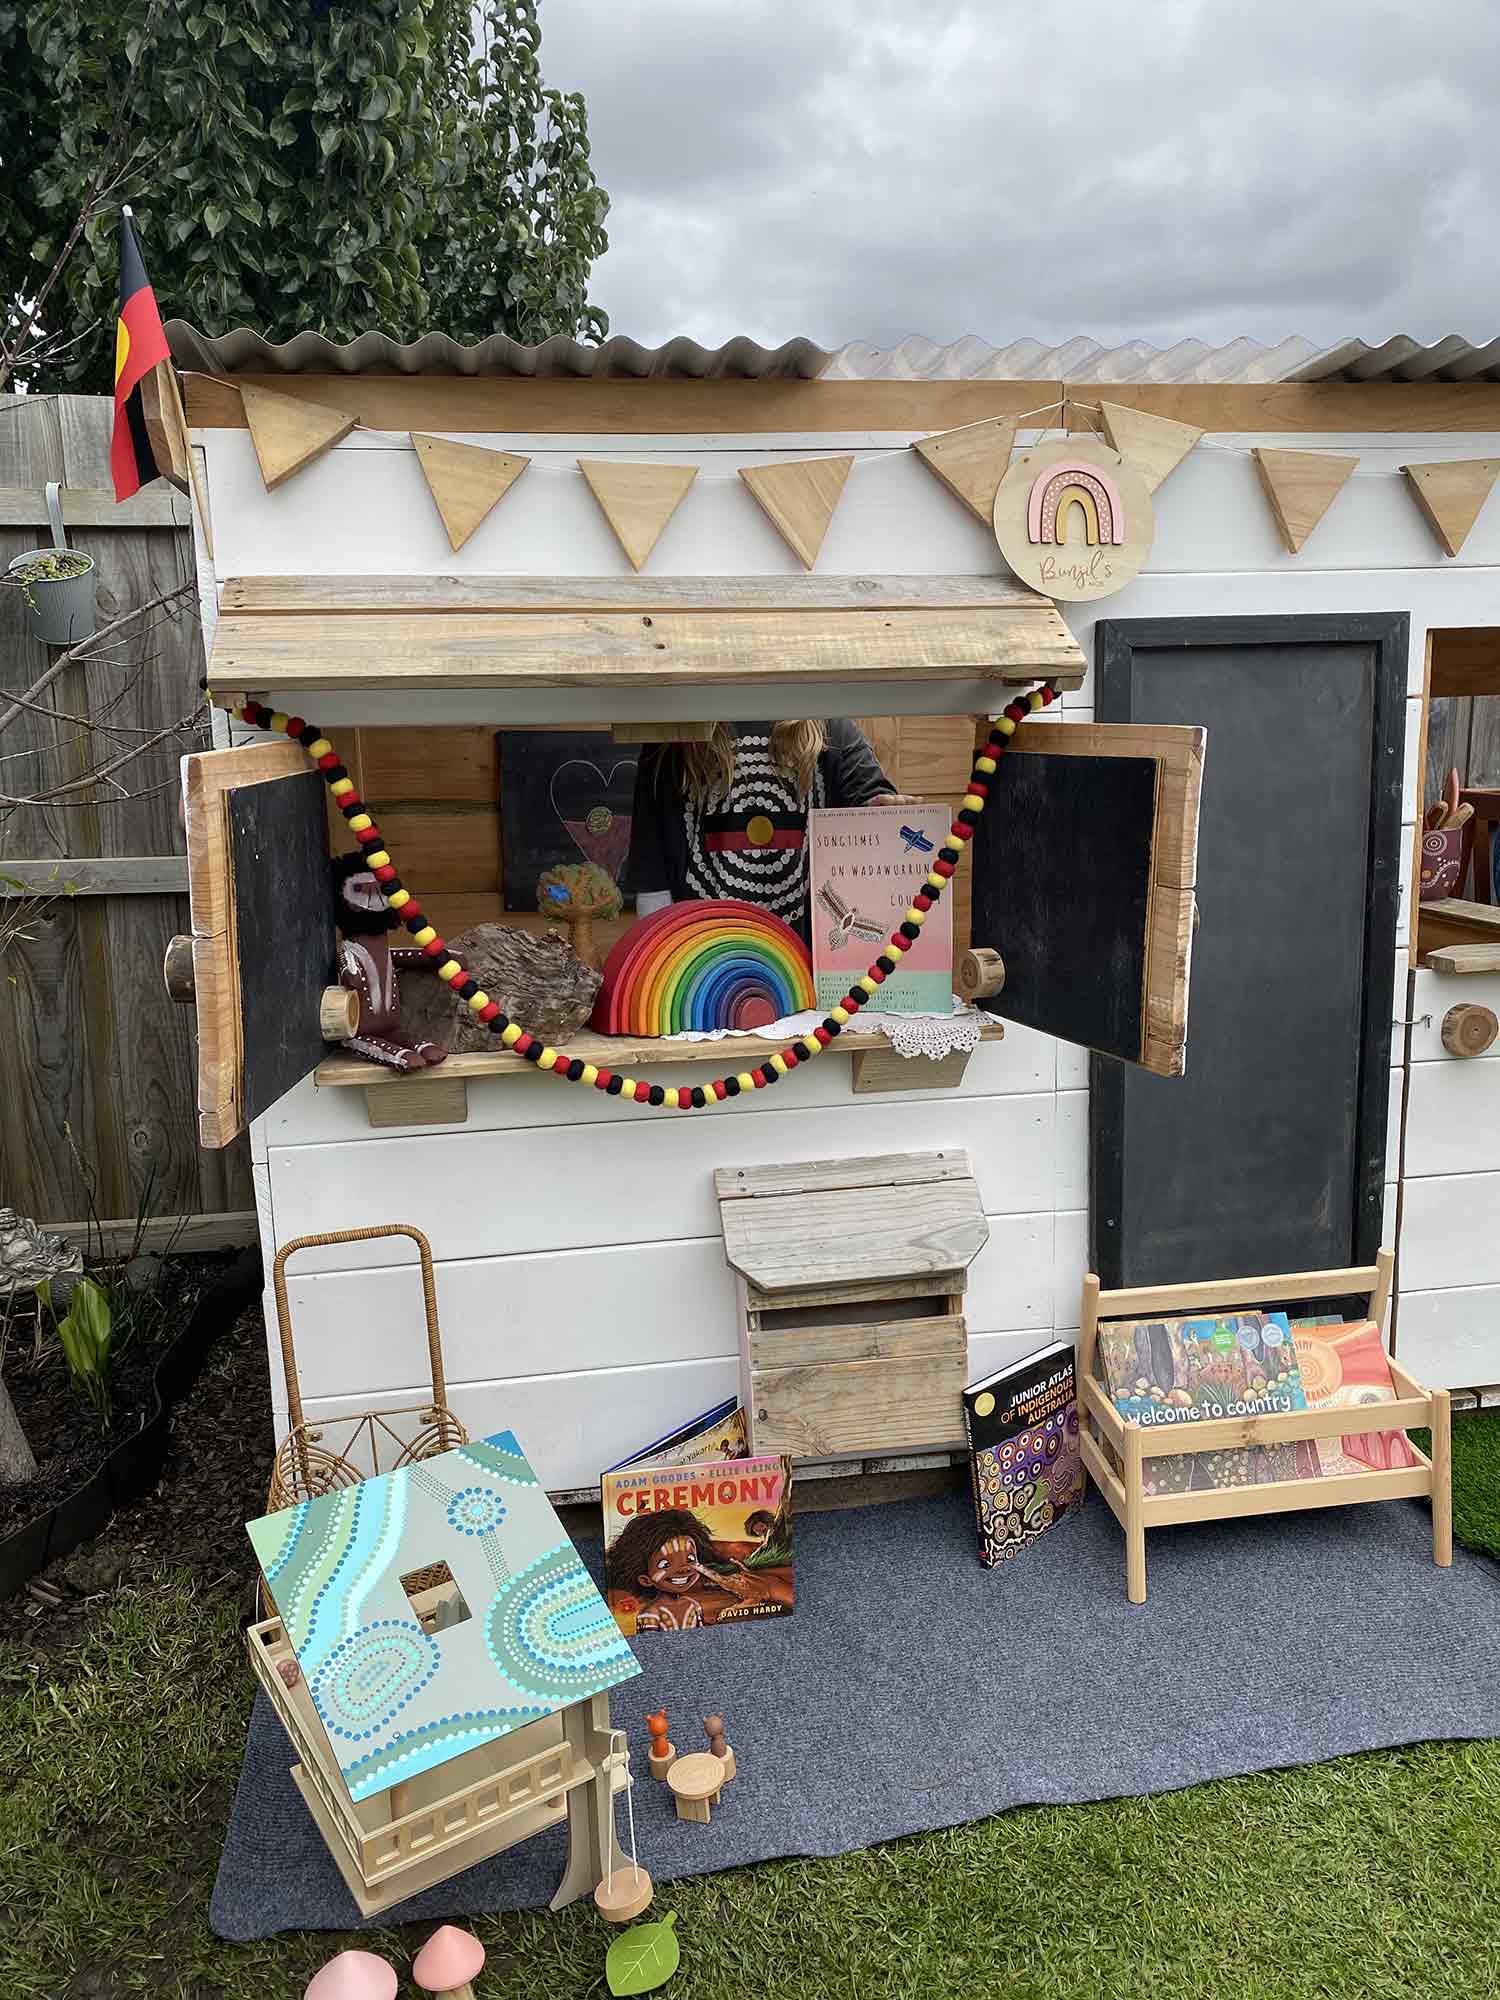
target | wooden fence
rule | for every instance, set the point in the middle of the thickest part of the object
(94, 1058)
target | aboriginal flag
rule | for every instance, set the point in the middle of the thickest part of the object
(139, 345)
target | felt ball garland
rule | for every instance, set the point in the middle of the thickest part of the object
(574, 1070)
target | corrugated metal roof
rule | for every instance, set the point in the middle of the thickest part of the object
(1078, 360)
(1402, 359)
(245, 353)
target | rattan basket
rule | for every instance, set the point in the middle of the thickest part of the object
(315, 1459)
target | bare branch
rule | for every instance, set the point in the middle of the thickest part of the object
(86, 650)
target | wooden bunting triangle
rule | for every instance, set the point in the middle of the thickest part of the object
(466, 480)
(288, 433)
(971, 462)
(638, 500)
(1450, 493)
(799, 499)
(1301, 487)
(1155, 446)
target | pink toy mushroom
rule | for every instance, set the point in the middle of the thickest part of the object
(449, 1963)
(353, 1975)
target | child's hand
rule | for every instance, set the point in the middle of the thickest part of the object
(897, 799)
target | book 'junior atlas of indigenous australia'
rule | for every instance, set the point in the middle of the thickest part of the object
(1024, 1462)
(702, 1544)
(867, 863)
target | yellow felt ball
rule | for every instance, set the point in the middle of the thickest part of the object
(778, 1063)
(869, 984)
(278, 720)
(425, 935)
(627, 1086)
(745, 1080)
(360, 823)
(839, 1014)
(319, 749)
(478, 1000)
(895, 949)
(811, 1044)
(1034, 700)
(972, 803)
(449, 969)
(935, 881)
(400, 900)
(547, 1059)
(510, 1035)
(914, 915)
(340, 786)
(590, 1074)
(669, 1098)
(1005, 724)
(379, 859)
(985, 764)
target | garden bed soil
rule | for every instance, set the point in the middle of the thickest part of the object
(84, 1471)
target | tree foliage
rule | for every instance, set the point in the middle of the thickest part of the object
(395, 164)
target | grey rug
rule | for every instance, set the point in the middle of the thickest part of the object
(914, 1689)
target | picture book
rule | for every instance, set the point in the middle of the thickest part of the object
(520, 1629)
(1181, 1372)
(866, 865)
(716, 1433)
(702, 1544)
(1344, 1365)
(1024, 1463)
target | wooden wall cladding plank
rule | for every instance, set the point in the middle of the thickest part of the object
(618, 1305)
(1024, 1063)
(1453, 1117)
(457, 766)
(1451, 1339)
(1450, 1232)
(493, 1192)
(445, 850)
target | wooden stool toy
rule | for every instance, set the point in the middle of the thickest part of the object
(663, 1753)
(713, 1729)
(696, 1782)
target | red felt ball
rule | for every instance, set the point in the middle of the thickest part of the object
(757, 1079)
(643, 1093)
(960, 831)
(488, 1011)
(522, 1044)
(718, 1089)
(877, 975)
(603, 1080)
(922, 902)
(385, 871)
(979, 788)
(327, 761)
(942, 868)
(295, 725)
(822, 1036)
(436, 948)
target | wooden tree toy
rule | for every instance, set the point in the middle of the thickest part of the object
(663, 1753)
(718, 1744)
(579, 893)
(448, 1964)
(353, 1975)
(696, 1782)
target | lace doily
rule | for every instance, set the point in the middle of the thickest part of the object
(930, 1035)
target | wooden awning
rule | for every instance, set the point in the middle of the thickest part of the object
(637, 638)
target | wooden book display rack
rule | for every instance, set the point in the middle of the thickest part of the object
(1132, 1444)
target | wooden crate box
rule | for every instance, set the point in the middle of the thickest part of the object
(851, 1276)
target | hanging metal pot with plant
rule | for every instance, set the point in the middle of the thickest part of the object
(58, 584)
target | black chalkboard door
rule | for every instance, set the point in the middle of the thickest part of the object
(1269, 1154)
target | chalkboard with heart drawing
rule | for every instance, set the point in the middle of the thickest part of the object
(565, 795)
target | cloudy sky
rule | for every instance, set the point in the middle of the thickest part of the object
(866, 169)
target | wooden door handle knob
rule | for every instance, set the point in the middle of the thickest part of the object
(177, 970)
(1469, 1030)
(980, 973)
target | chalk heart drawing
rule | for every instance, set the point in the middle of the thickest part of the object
(1074, 519)
(595, 806)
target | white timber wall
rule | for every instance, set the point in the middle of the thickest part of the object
(581, 1281)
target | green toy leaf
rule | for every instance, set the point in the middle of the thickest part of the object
(643, 1958)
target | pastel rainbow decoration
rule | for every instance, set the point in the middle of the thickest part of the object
(720, 964)
(1075, 483)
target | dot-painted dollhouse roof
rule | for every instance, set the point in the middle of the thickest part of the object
(394, 1698)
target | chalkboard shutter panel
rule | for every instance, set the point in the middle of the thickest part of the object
(1085, 862)
(263, 944)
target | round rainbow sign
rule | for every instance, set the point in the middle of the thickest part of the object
(705, 965)
(1074, 519)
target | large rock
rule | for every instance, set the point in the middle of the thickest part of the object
(539, 981)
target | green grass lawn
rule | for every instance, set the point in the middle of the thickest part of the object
(1371, 1876)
